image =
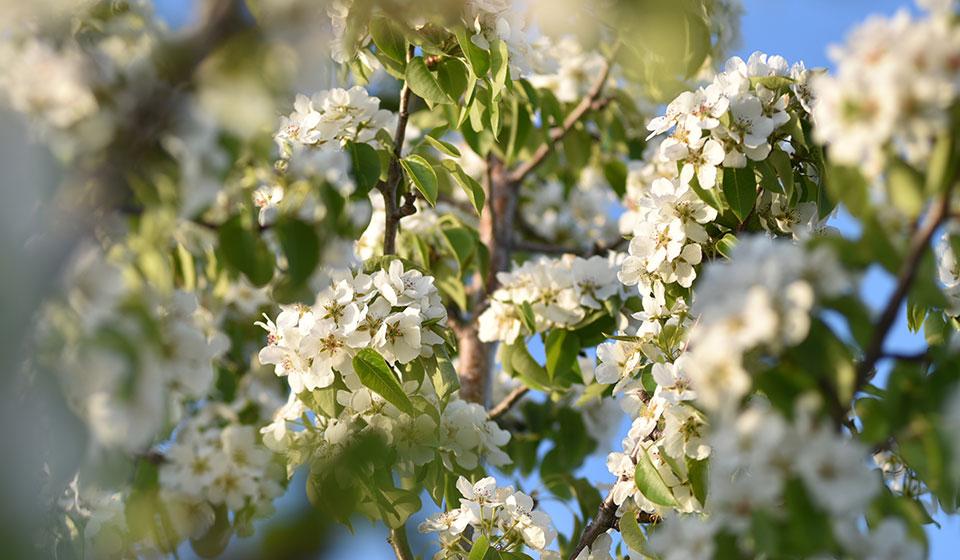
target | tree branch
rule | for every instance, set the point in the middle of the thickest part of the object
(507, 403)
(391, 211)
(398, 540)
(497, 223)
(590, 102)
(908, 272)
(607, 519)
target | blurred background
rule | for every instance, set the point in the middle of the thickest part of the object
(36, 237)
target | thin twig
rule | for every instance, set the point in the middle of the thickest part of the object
(388, 188)
(507, 403)
(590, 102)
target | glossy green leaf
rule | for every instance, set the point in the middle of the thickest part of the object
(452, 77)
(388, 39)
(650, 482)
(423, 83)
(740, 190)
(423, 177)
(365, 166)
(443, 146)
(479, 548)
(562, 347)
(461, 242)
(376, 375)
(478, 58)
(468, 184)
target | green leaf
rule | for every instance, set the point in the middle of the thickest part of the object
(388, 39)
(527, 317)
(423, 176)
(522, 364)
(301, 245)
(479, 549)
(444, 376)
(462, 243)
(708, 196)
(445, 147)
(630, 531)
(726, 244)
(615, 172)
(468, 184)
(561, 347)
(365, 166)
(781, 163)
(376, 375)
(697, 473)
(452, 77)
(246, 252)
(478, 58)
(499, 67)
(651, 483)
(423, 83)
(740, 190)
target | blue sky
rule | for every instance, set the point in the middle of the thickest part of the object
(798, 30)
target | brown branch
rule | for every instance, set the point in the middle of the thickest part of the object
(398, 541)
(908, 272)
(590, 102)
(507, 403)
(607, 519)
(392, 213)
(496, 230)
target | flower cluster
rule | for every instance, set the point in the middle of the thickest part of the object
(731, 120)
(124, 390)
(558, 292)
(895, 82)
(397, 313)
(669, 433)
(220, 461)
(577, 218)
(640, 177)
(505, 516)
(762, 297)
(331, 118)
(394, 311)
(667, 240)
(757, 454)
